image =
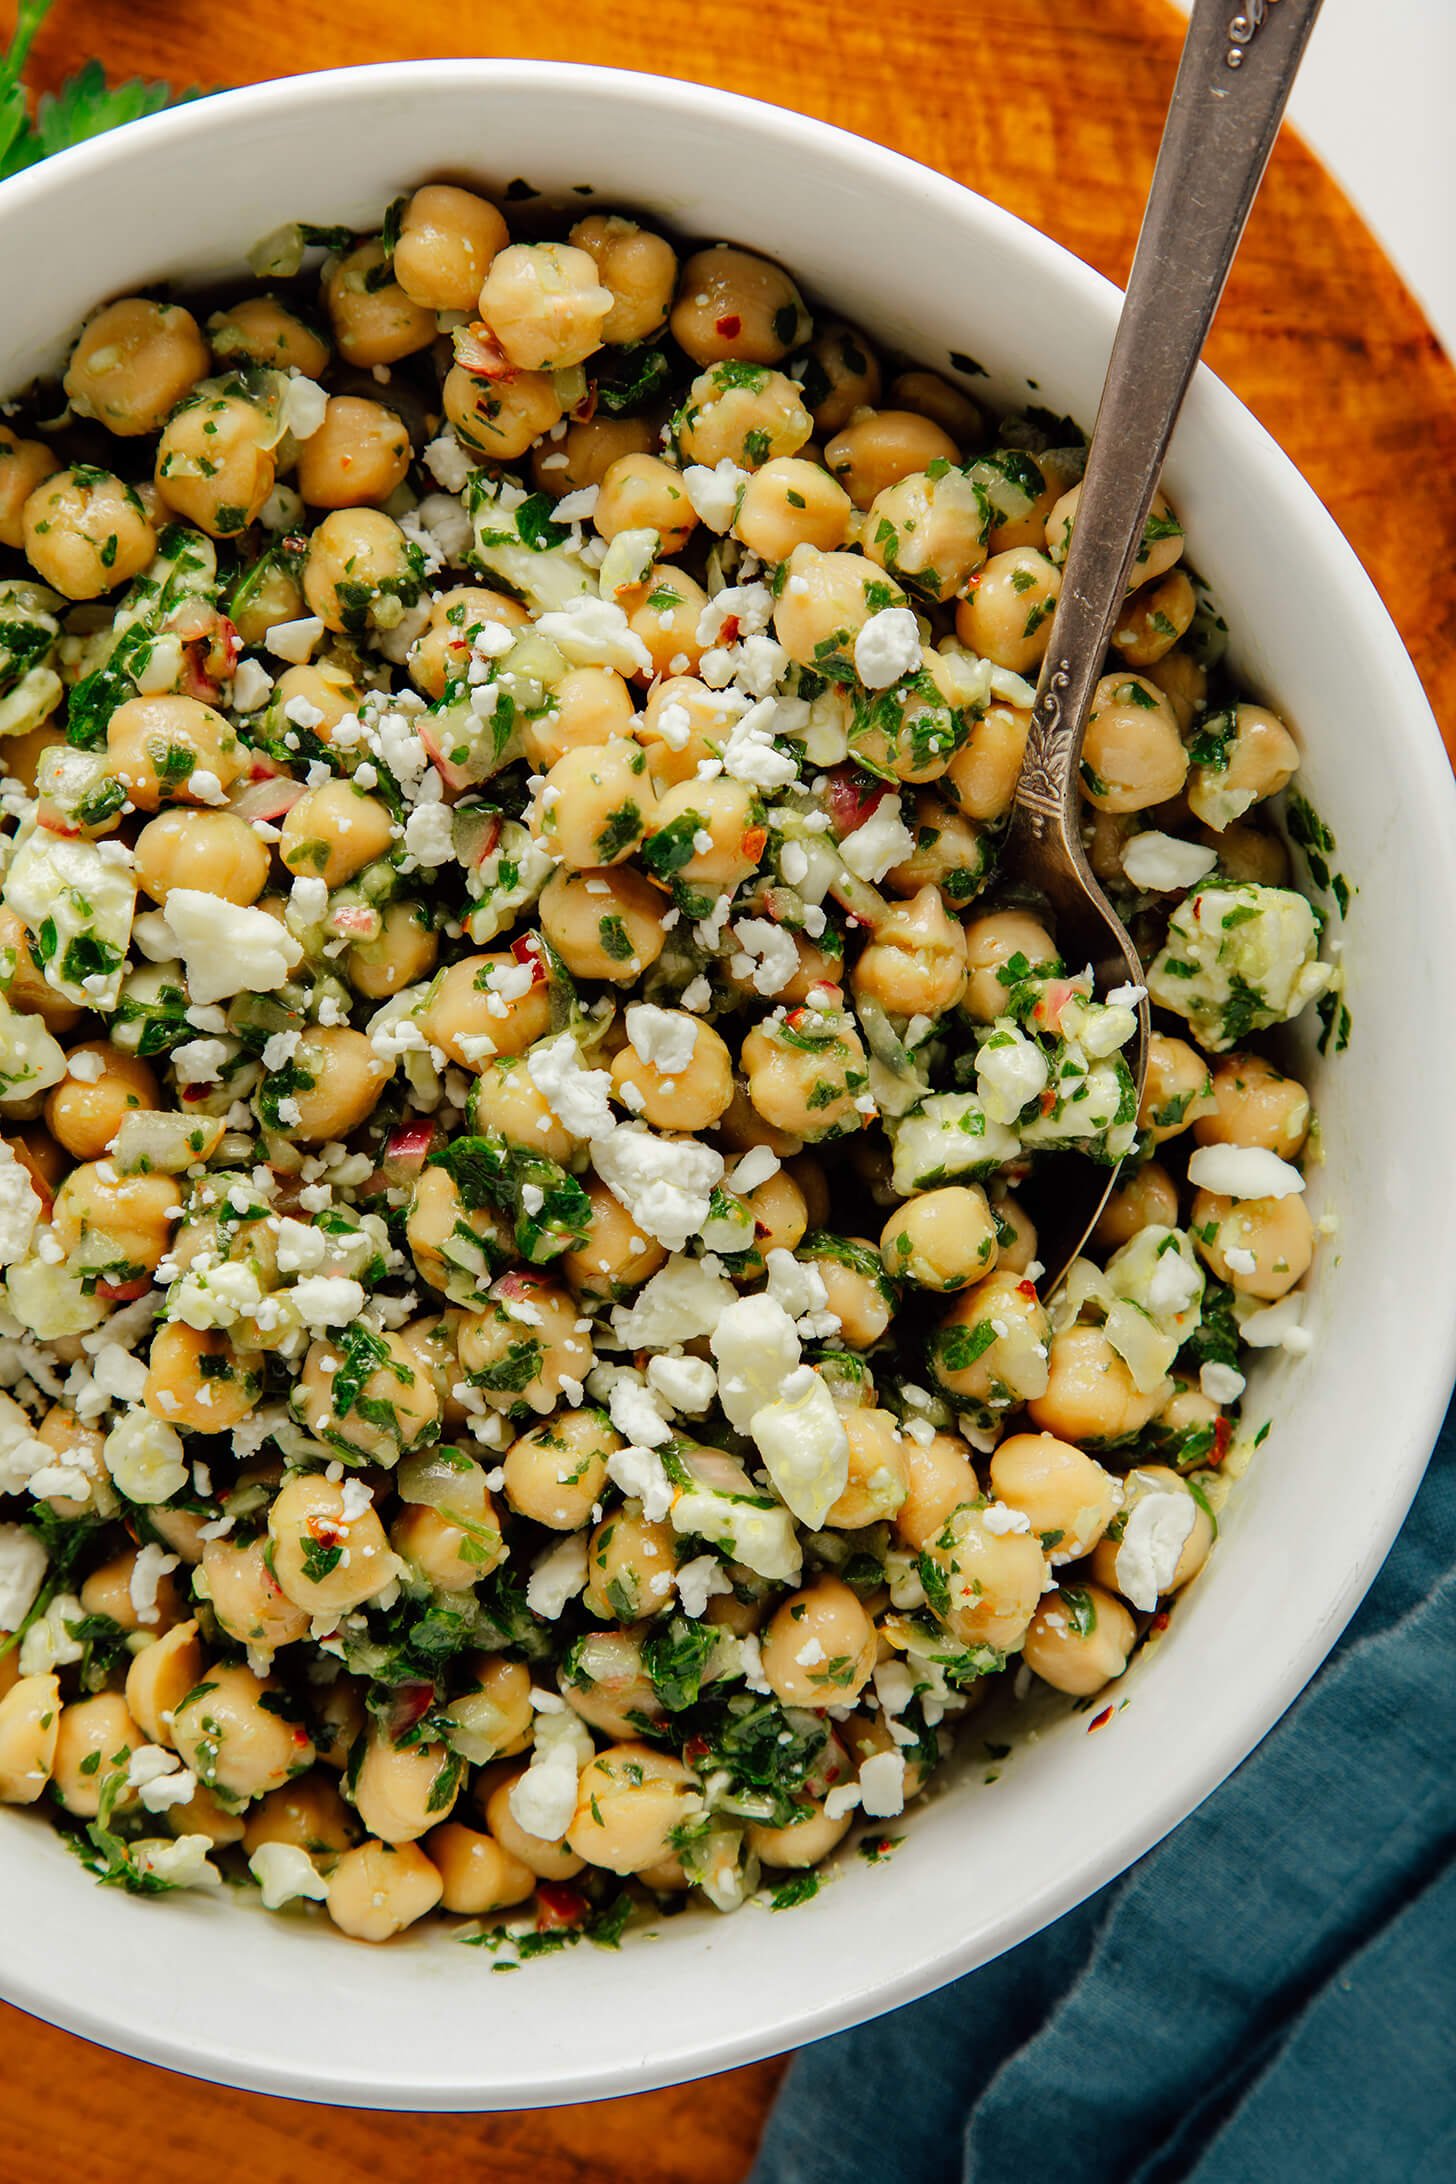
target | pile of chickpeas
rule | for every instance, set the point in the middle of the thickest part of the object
(288, 426)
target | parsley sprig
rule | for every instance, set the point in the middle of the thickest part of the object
(85, 106)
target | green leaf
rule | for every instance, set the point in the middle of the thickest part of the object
(675, 1659)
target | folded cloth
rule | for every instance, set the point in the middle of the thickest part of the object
(1269, 1994)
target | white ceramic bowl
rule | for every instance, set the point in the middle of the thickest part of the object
(289, 2007)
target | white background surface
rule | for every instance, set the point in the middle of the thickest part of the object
(1374, 100)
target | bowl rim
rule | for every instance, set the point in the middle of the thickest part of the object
(208, 2054)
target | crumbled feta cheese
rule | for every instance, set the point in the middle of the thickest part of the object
(543, 1799)
(666, 1184)
(577, 1096)
(804, 1446)
(750, 753)
(448, 463)
(640, 1474)
(998, 1518)
(682, 1302)
(882, 1785)
(428, 836)
(22, 1569)
(294, 641)
(887, 647)
(686, 1384)
(1011, 1070)
(182, 1862)
(1147, 1556)
(151, 1565)
(841, 1800)
(1221, 1383)
(252, 687)
(755, 1167)
(1161, 864)
(20, 1206)
(595, 633)
(1277, 1326)
(661, 1038)
(698, 1581)
(635, 1415)
(328, 1300)
(144, 1457)
(714, 494)
(767, 956)
(48, 1644)
(226, 947)
(286, 1873)
(557, 1576)
(1243, 1171)
(757, 1347)
(883, 841)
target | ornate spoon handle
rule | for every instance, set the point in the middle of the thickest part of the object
(1233, 83)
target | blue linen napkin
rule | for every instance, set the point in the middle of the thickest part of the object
(1269, 1994)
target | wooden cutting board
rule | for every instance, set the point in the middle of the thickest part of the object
(1053, 109)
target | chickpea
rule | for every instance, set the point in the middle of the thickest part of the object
(983, 773)
(596, 805)
(1178, 1089)
(247, 1599)
(403, 952)
(198, 1382)
(361, 570)
(447, 240)
(792, 502)
(1249, 853)
(359, 454)
(1133, 755)
(454, 1546)
(727, 813)
(213, 467)
(24, 465)
(616, 1257)
(262, 330)
(158, 746)
(401, 1790)
(501, 417)
(232, 1742)
(1253, 1104)
(215, 851)
(1162, 540)
(28, 992)
(63, 1433)
(459, 1009)
(992, 942)
(630, 1564)
(431, 1343)
(879, 1477)
(859, 1296)
(97, 1731)
(1257, 757)
(326, 688)
(992, 1580)
(636, 266)
(85, 532)
(504, 1098)
(939, 1479)
(950, 855)
(665, 616)
(690, 1098)
(134, 361)
(916, 960)
(808, 1091)
(1148, 1199)
(548, 1861)
(442, 655)
(926, 529)
(733, 304)
(804, 1843)
(338, 1714)
(1156, 1479)
(378, 1889)
(30, 1719)
(115, 1217)
(818, 965)
(841, 375)
(820, 1646)
(743, 1126)
(374, 320)
(587, 451)
(476, 1874)
(1153, 619)
(493, 1718)
(180, 1531)
(1079, 1640)
(397, 1384)
(307, 1813)
(1276, 1233)
(682, 724)
(347, 1078)
(545, 305)
(640, 492)
(1090, 1395)
(324, 1560)
(160, 1677)
(930, 396)
(202, 1814)
(1012, 1367)
(826, 601)
(874, 452)
(1069, 1498)
(780, 1218)
(605, 925)
(84, 1114)
(941, 1240)
(608, 1687)
(501, 1343)
(1183, 683)
(630, 1800)
(1007, 616)
(591, 705)
(741, 413)
(334, 831)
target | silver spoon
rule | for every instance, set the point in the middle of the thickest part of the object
(1234, 79)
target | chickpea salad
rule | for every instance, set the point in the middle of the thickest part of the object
(529, 1392)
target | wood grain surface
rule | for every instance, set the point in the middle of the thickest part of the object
(1053, 109)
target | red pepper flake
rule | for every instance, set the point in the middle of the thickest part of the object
(1161, 1620)
(1223, 1433)
(695, 1749)
(729, 633)
(754, 839)
(528, 950)
(1027, 1290)
(730, 326)
(558, 1906)
(1099, 1721)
